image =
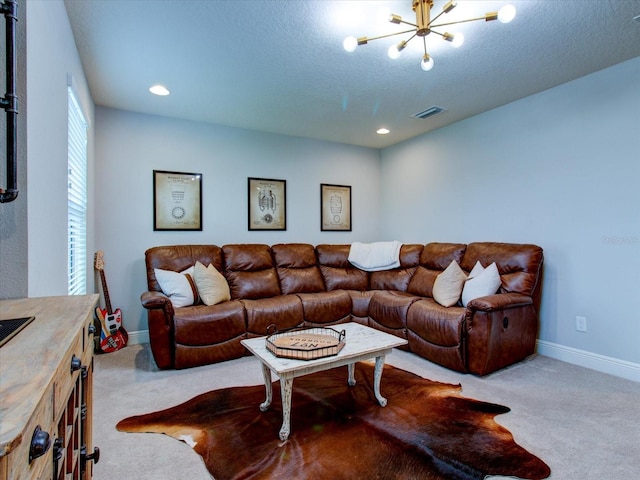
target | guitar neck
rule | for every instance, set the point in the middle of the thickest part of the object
(105, 291)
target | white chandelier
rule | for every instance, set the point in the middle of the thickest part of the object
(425, 25)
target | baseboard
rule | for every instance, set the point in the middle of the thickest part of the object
(140, 336)
(594, 361)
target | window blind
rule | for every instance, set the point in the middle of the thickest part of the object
(77, 198)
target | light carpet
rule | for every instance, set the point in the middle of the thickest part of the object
(584, 424)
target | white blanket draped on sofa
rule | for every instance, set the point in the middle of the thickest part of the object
(372, 257)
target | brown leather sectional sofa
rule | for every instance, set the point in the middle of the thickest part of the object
(292, 285)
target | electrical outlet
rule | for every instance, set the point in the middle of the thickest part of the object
(581, 324)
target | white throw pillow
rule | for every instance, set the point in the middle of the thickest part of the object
(481, 283)
(212, 286)
(177, 286)
(476, 270)
(448, 285)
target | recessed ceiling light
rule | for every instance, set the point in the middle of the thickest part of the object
(382, 131)
(159, 90)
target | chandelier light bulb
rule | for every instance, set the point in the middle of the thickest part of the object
(507, 13)
(458, 40)
(159, 90)
(393, 52)
(427, 63)
(350, 44)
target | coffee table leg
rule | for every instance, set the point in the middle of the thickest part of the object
(268, 387)
(286, 387)
(377, 376)
(352, 378)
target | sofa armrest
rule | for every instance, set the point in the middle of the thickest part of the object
(160, 314)
(157, 300)
(501, 329)
(499, 301)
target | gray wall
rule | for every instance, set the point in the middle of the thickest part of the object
(52, 63)
(130, 146)
(560, 169)
(13, 216)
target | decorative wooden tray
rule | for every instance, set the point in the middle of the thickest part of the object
(305, 343)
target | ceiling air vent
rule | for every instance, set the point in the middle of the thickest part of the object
(429, 112)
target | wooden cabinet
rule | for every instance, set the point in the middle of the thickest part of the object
(46, 378)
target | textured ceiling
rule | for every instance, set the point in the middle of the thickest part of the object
(279, 66)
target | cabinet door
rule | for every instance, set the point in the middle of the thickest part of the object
(73, 454)
(89, 454)
(18, 466)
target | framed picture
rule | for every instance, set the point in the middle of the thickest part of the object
(267, 204)
(335, 207)
(177, 201)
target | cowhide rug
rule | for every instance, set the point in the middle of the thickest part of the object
(426, 431)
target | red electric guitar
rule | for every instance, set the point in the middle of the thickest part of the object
(113, 336)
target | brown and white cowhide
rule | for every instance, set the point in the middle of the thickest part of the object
(426, 431)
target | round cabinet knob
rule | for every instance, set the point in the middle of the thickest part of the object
(40, 443)
(92, 329)
(76, 364)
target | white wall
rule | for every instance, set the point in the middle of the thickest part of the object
(51, 57)
(560, 169)
(130, 146)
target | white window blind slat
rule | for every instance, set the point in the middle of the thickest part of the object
(77, 198)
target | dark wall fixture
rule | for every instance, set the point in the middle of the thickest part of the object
(10, 102)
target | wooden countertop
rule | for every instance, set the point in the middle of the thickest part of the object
(29, 361)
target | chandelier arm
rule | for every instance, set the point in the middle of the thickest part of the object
(457, 21)
(412, 37)
(436, 17)
(408, 23)
(437, 33)
(390, 35)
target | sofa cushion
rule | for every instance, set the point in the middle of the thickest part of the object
(519, 265)
(336, 270)
(436, 324)
(208, 334)
(360, 302)
(438, 256)
(448, 285)
(481, 282)
(434, 258)
(284, 311)
(322, 308)
(422, 281)
(297, 268)
(250, 271)
(260, 284)
(398, 278)
(205, 325)
(247, 257)
(294, 255)
(211, 284)
(389, 308)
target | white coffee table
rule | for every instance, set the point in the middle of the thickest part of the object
(361, 343)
